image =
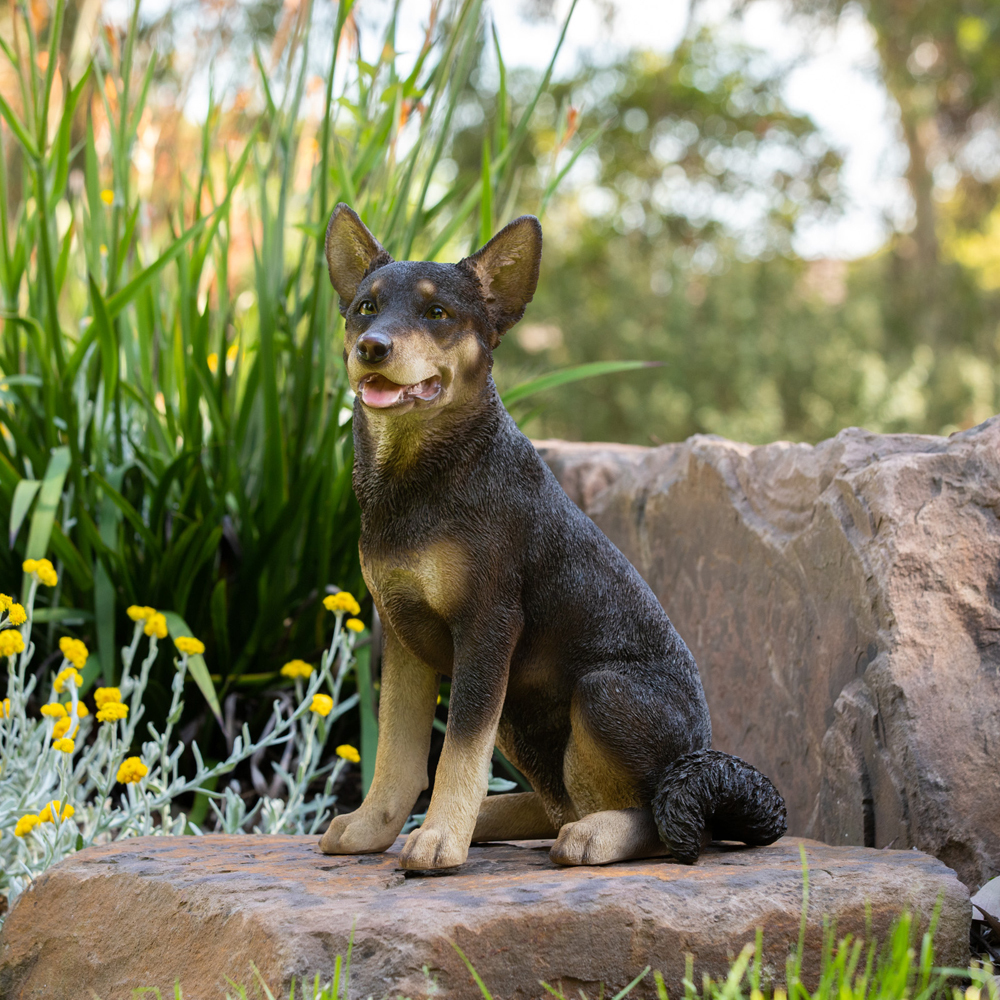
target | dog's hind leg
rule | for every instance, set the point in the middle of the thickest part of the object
(609, 835)
(624, 730)
(513, 816)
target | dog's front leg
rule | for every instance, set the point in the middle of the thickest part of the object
(406, 713)
(478, 686)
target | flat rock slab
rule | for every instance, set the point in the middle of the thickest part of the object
(155, 910)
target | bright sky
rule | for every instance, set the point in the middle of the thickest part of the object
(833, 80)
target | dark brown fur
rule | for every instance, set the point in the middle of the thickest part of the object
(484, 571)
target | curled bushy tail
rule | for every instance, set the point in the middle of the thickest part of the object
(710, 795)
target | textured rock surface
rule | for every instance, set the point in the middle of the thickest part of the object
(843, 603)
(154, 910)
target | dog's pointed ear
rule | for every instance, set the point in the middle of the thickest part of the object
(351, 253)
(507, 269)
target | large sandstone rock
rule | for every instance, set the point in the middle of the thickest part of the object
(843, 603)
(155, 910)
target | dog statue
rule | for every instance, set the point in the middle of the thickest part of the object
(484, 571)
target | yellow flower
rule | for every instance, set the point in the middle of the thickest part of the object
(26, 824)
(66, 745)
(103, 695)
(132, 770)
(232, 353)
(53, 810)
(5, 709)
(61, 728)
(16, 614)
(5, 602)
(156, 624)
(296, 668)
(355, 624)
(342, 602)
(104, 249)
(74, 651)
(81, 710)
(69, 674)
(140, 613)
(11, 642)
(322, 704)
(112, 712)
(53, 710)
(213, 362)
(189, 644)
(43, 569)
(349, 753)
(108, 196)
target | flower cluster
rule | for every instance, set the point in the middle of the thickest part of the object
(340, 602)
(16, 615)
(42, 570)
(74, 651)
(131, 771)
(189, 645)
(60, 766)
(11, 643)
(296, 668)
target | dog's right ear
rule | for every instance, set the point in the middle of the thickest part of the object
(352, 253)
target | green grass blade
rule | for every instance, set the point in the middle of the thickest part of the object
(27, 143)
(24, 494)
(567, 375)
(196, 664)
(124, 296)
(475, 975)
(46, 506)
(108, 342)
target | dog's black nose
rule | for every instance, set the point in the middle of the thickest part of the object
(373, 347)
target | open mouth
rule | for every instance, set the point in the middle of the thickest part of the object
(378, 392)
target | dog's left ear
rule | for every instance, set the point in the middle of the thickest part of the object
(507, 269)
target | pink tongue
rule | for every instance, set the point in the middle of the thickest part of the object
(385, 393)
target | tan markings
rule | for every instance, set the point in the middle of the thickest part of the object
(513, 816)
(612, 835)
(375, 287)
(459, 788)
(437, 575)
(593, 779)
(406, 710)
(426, 287)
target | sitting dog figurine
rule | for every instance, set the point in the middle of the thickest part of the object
(484, 571)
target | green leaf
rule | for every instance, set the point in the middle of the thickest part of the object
(196, 664)
(48, 502)
(109, 517)
(124, 295)
(24, 493)
(18, 129)
(566, 375)
(108, 342)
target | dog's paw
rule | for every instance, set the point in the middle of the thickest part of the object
(355, 833)
(433, 847)
(585, 842)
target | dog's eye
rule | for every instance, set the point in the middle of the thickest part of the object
(435, 312)
(367, 308)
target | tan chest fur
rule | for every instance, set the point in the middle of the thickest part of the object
(434, 576)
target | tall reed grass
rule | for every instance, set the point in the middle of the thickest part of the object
(174, 413)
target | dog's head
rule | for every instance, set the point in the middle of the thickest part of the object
(420, 335)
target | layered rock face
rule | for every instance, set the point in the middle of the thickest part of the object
(155, 911)
(843, 604)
